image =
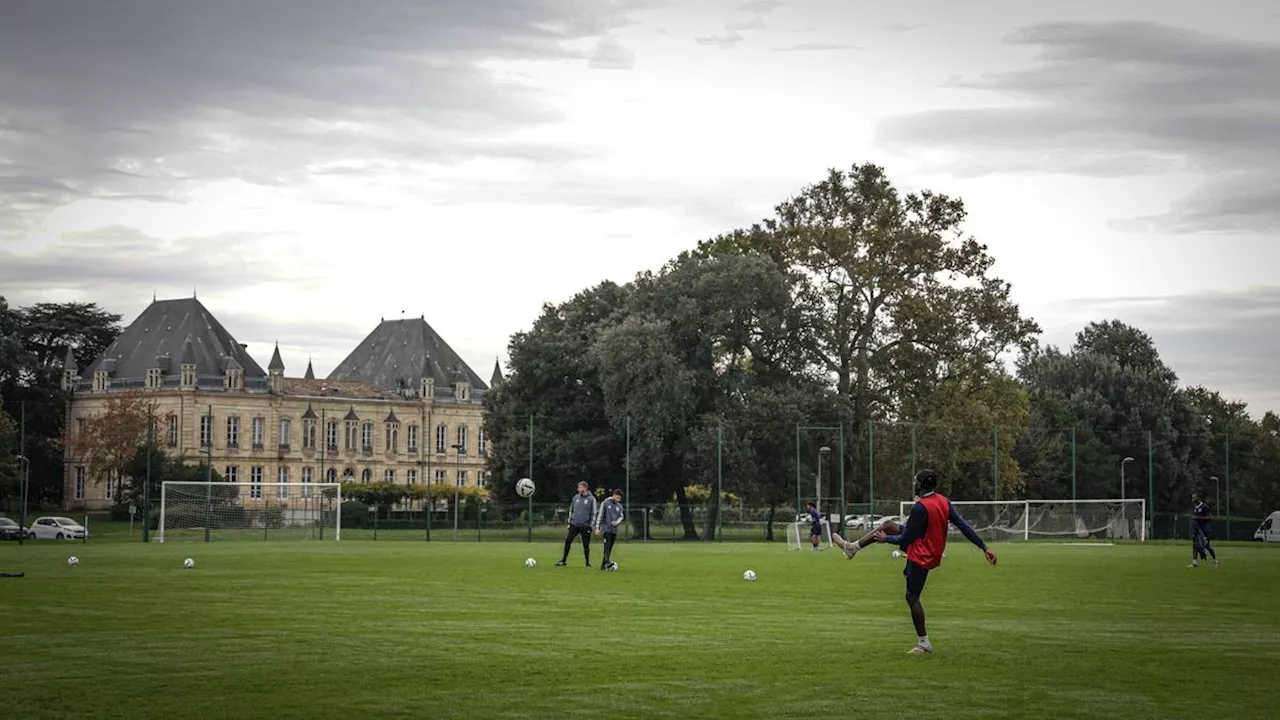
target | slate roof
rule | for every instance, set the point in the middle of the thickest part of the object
(337, 389)
(399, 353)
(168, 329)
(496, 380)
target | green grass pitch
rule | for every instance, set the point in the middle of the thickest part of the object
(462, 630)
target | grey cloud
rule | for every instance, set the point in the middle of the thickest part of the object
(609, 54)
(727, 41)
(817, 47)
(118, 262)
(762, 7)
(904, 27)
(139, 97)
(1227, 341)
(1128, 98)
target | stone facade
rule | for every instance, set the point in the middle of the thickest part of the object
(273, 429)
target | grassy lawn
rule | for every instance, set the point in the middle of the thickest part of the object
(426, 630)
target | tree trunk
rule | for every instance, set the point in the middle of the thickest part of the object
(768, 524)
(686, 514)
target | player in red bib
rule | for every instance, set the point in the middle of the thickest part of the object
(924, 536)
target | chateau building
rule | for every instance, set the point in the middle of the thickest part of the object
(402, 407)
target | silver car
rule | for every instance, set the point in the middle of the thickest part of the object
(57, 528)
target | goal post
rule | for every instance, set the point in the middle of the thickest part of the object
(798, 533)
(1109, 519)
(207, 511)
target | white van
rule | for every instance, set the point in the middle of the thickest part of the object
(1269, 530)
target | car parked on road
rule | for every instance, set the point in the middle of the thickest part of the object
(57, 528)
(10, 530)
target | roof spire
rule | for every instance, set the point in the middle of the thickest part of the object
(276, 362)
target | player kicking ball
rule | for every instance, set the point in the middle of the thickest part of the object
(925, 539)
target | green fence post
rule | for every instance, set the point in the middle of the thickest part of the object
(797, 468)
(626, 464)
(1227, 472)
(913, 451)
(995, 460)
(719, 475)
(871, 460)
(1073, 464)
(844, 504)
(1151, 485)
(530, 476)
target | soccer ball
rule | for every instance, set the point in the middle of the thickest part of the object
(613, 566)
(530, 563)
(524, 487)
(897, 553)
(73, 561)
(188, 563)
(749, 575)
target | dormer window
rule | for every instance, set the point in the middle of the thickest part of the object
(462, 391)
(154, 378)
(188, 375)
(235, 379)
(101, 381)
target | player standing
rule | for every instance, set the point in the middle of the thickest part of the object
(815, 526)
(608, 518)
(925, 538)
(582, 509)
(1200, 519)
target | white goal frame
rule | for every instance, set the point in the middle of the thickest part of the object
(283, 496)
(797, 541)
(1028, 505)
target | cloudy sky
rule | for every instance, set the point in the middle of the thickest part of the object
(310, 166)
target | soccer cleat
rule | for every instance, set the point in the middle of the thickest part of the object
(1215, 562)
(561, 564)
(1193, 564)
(845, 546)
(920, 650)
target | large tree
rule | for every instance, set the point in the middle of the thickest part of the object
(896, 299)
(1243, 454)
(107, 443)
(1122, 401)
(33, 344)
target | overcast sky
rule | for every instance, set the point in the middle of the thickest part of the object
(310, 166)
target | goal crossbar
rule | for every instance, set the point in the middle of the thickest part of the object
(1117, 518)
(192, 510)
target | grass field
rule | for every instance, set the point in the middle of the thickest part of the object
(442, 630)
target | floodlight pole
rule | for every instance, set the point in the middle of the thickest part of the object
(1122, 464)
(1217, 492)
(208, 477)
(26, 468)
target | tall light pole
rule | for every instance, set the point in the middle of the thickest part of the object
(1122, 464)
(817, 484)
(26, 480)
(1217, 492)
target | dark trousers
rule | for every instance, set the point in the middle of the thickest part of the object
(609, 540)
(574, 531)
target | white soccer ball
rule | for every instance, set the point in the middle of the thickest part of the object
(613, 566)
(73, 561)
(749, 575)
(524, 487)
(188, 563)
(530, 563)
(897, 553)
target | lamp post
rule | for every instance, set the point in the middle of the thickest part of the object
(26, 480)
(817, 484)
(1122, 464)
(457, 506)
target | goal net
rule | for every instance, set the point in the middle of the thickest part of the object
(206, 511)
(1053, 519)
(798, 533)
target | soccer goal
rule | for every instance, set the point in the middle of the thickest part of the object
(206, 511)
(1050, 519)
(798, 533)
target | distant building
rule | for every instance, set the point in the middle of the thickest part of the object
(402, 407)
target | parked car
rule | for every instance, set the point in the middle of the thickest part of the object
(10, 530)
(57, 528)
(1269, 530)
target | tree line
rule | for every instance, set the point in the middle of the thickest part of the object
(855, 306)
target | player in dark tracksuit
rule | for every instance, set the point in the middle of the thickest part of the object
(1200, 519)
(608, 518)
(924, 536)
(582, 509)
(815, 526)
